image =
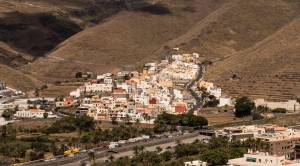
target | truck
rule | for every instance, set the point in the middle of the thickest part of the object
(145, 136)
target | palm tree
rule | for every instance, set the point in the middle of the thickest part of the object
(98, 124)
(91, 156)
(114, 120)
(70, 143)
(127, 119)
(145, 116)
(158, 149)
(137, 122)
(74, 141)
(136, 150)
(4, 134)
(111, 158)
(141, 149)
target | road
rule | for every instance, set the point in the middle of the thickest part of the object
(3, 100)
(150, 148)
(101, 153)
(190, 90)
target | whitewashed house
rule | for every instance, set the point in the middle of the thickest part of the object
(217, 92)
(224, 100)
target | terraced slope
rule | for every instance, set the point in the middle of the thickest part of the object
(270, 69)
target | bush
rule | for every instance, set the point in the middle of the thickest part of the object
(279, 110)
(256, 115)
(56, 82)
(44, 87)
(78, 75)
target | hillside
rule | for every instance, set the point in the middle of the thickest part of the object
(270, 69)
(133, 37)
(18, 79)
(52, 40)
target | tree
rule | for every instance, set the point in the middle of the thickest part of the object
(78, 75)
(7, 114)
(111, 158)
(186, 150)
(136, 150)
(234, 76)
(53, 148)
(127, 77)
(91, 155)
(217, 142)
(167, 155)
(243, 107)
(147, 159)
(262, 109)
(56, 83)
(44, 87)
(158, 149)
(137, 122)
(33, 155)
(216, 156)
(45, 115)
(36, 92)
(114, 120)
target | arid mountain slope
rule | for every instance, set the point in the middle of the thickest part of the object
(62, 37)
(270, 69)
(121, 41)
(17, 79)
(212, 28)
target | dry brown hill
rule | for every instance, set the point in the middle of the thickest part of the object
(126, 39)
(125, 34)
(17, 79)
(270, 69)
(212, 28)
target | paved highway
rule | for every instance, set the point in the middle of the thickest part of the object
(149, 148)
(101, 153)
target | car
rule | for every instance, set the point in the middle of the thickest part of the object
(71, 155)
(53, 159)
(47, 160)
(112, 151)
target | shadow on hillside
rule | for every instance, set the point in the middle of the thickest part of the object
(36, 33)
(157, 9)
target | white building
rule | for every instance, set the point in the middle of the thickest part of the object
(224, 100)
(290, 105)
(217, 92)
(75, 93)
(98, 88)
(195, 163)
(34, 113)
(260, 159)
(176, 57)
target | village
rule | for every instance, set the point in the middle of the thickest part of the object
(167, 87)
